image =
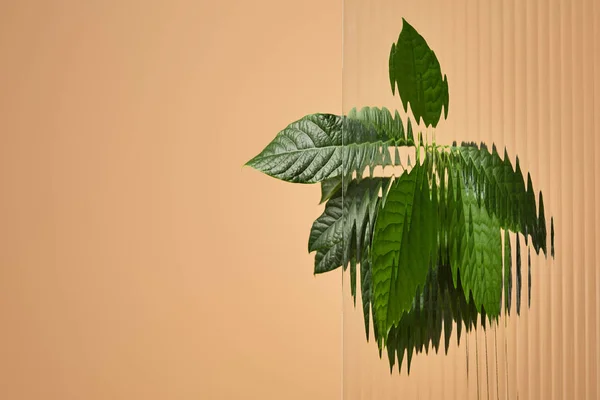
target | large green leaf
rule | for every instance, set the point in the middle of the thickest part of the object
(481, 265)
(366, 278)
(488, 195)
(338, 236)
(404, 246)
(321, 147)
(390, 227)
(415, 70)
(504, 193)
(343, 233)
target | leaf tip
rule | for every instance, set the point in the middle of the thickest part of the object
(250, 163)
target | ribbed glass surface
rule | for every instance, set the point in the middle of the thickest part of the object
(522, 75)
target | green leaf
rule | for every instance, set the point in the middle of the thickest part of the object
(329, 187)
(541, 224)
(506, 196)
(327, 229)
(415, 70)
(338, 235)
(366, 279)
(390, 227)
(321, 147)
(404, 246)
(519, 279)
(507, 273)
(344, 233)
(529, 277)
(381, 121)
(481, 268)
(439, 304)
(552, 236)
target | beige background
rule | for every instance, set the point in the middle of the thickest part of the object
(138, 259)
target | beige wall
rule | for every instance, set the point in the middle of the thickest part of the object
(139, 260)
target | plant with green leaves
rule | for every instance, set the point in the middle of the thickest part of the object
(432, 246)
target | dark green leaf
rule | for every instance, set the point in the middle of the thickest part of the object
(390, 227)
(339, 234)
(518, 275)
(507, 273)
(415, 70)
(329, 187)
(404, 246)
(320, 147)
